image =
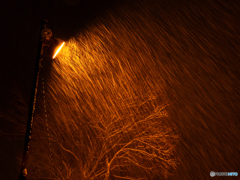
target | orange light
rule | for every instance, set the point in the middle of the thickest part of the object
(58, 50)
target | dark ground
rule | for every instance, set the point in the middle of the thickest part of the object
(199, 48)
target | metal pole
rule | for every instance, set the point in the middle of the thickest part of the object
(32, 106)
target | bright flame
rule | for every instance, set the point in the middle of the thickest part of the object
(58, 50)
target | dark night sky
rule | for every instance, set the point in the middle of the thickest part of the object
(20, 26)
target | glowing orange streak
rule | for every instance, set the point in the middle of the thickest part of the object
(58, 50)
